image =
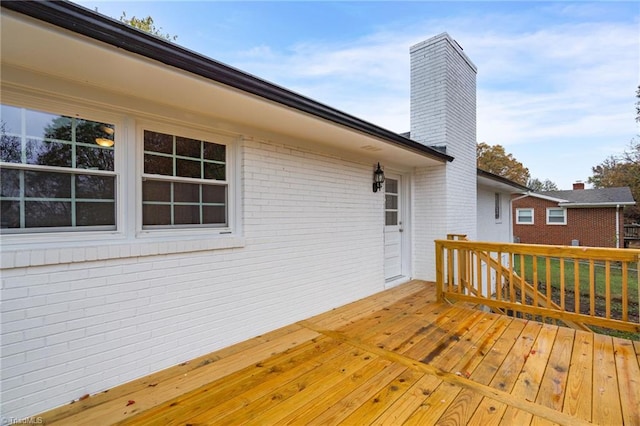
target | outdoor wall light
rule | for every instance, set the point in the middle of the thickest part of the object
(104, 142)
(108, 141)
(378, 178)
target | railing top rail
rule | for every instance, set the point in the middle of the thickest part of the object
(596, 253)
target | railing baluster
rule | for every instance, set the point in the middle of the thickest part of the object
(607, 281)
(450, 270)
(548, 283)
(625, 292)
(522, 280)
(488, 276)
(562, 282)
(512, 295)
(534, 266)
(499, 278)
(592, 288)
(576, 285)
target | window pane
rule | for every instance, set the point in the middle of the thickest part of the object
(214, 214)
(47, 153)
(156, 165)
(10, 183)
(153, 190)
(47, 185)
(156, 214)
(95, 187)
(214, 151)
(11, 118)
(186, 193)
(47, 213)
(525, 216)
(10, 148)
(391, 218)
(188, 168)
(94, 214)
(214, 194)
(10, 214)
(185, 215)
(88, 131)
(188, 147)
(158, 142)
(214, 171)
(391, 201)
(94, 158)
(45, 125)
(391, 185)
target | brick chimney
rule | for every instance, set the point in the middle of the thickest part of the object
(443, 115)
(578, 186)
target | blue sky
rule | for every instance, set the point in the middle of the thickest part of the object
(556, 80)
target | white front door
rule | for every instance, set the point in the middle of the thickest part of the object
(393, 241)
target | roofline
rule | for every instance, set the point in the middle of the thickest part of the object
(81, 20)
(569, 204)
(544, 197)
(501, 179)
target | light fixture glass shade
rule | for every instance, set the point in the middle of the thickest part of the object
(108, 143)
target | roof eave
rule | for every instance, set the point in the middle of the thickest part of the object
(596, 205)
(503, 180)
(83, 21)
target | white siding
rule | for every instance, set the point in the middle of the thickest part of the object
(313, 234)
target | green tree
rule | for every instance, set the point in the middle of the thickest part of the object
(494, 159)
(146, 24)
(539, 186)
(621, 170)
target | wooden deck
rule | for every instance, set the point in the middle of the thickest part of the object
(393, 358)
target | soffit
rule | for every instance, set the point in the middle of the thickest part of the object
(33, 45)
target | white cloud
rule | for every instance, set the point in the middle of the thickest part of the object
(560, 83)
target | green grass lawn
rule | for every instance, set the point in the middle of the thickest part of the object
(585, 274)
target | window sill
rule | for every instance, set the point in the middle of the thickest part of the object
(20, 257)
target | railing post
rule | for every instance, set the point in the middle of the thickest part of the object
(439, 271)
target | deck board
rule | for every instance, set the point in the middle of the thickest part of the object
(397, 357)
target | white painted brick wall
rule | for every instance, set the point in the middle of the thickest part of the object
(429, 218)
(313, 240)
(443, 113)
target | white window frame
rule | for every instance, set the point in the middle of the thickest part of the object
(518, 222)
(564, 215)
(232, 183)
(71, 234)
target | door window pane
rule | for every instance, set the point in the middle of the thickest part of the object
(391, 218)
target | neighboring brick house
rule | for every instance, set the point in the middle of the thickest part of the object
(585, 217)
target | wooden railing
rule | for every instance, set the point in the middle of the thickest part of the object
(577, 286)
(632, 232)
